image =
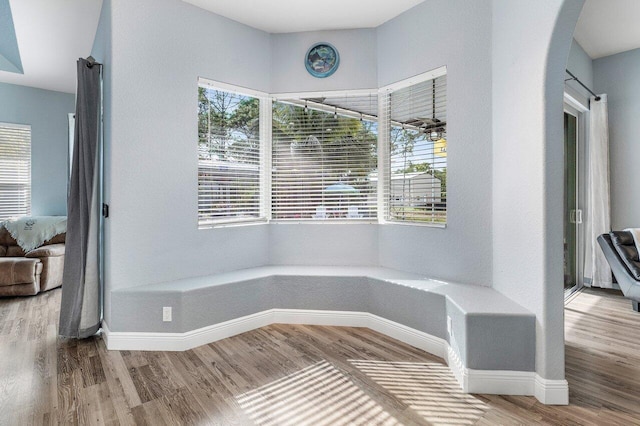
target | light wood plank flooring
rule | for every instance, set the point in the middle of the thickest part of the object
(297, 375)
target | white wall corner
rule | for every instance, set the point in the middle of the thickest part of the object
(104, 333)
(457, 368)
(551, 392)
(500, 382)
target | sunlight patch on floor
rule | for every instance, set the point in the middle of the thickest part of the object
(577, 309)
(316, 395)
(430, 389)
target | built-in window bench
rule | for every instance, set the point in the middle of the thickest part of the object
(487, 339)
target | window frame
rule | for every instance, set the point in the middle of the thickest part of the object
(264, 163)
(265, 166)
(275, 97)
(384, 148)
(29, 186)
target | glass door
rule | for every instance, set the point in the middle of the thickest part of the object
(572, 212)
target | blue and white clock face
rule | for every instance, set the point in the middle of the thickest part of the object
(322, 60)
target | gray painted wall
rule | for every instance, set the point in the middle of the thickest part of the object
(159, 48)
(47, 113)
(619, 77)
(406, 47)
(528, 85)
(581, 65)
(357, 70)
(150, 197)
(101, 51)
(323, 244)
(489, 331)
(504, 226)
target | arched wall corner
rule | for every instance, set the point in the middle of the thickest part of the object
(558, 53)
(527, 89)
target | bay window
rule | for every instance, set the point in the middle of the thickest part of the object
(324, 158)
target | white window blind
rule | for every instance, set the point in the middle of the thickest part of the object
(15, 170)
(416, 183)
(230, 172)
(324, 158)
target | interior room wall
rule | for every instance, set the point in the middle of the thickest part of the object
(581, 65)
(504, 114)
(528, 85)
(323, 244)
(101, 51)
(47, 113)
(159, 48)
(459, 38)
(357, 69)
(619, 77)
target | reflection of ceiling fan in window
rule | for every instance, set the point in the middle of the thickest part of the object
(432, 127)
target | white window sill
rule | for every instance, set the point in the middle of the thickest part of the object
(233, 223)
(423, 225)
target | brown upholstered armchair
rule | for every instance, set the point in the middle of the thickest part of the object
(24, 274)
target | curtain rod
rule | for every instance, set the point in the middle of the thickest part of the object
(573, 77)
(92, 62)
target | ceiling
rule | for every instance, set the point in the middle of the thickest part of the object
(52, 35)
(287, 16)
(607, 27)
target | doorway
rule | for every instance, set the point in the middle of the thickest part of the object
(574, 161)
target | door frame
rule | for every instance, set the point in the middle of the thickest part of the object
(580, 111)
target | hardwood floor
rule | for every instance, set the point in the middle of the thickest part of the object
(295, 375)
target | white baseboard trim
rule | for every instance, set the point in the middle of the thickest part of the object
(497, 382)
(552, 392)
(411, 336)
(501, 382)
(152, 341)
(104, 333)
(457, 368)
(316, 317)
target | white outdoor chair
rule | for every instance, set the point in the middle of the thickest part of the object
(321, 212)
(353, 213)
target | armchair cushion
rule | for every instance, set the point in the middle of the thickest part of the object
(23, 274)
(15, 251)
(5, 238)
(50, 250)
(60, 238)
(19, 271)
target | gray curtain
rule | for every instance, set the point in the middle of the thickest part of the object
(80, 313)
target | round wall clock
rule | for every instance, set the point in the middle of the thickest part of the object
(322, 60)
